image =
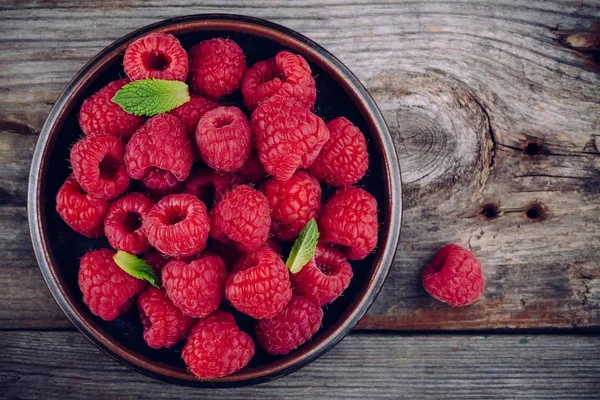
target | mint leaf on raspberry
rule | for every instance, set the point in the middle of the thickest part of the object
(304, 247)
(136, 267)
(152, 96)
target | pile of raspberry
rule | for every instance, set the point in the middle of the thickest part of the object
(207, 193)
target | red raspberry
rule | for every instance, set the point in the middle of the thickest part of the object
(224, 138)
(454, 276)
(290, 328)
(252, 171)
(259, 284)
(158, 56)
(343, 160)
(242, 216)
(216, 347)
(324, 278)
(124, 220)
(82, 212)
(107, 290)
(99, 114)
(209, 186)
(349, 220)
(164, 324)
(288, 136)
(216, 67)
(159, 153)
(156, 260)
(196, 287)
(177, 225)
(97, 163)
(286, 74)
(293, 203)
(191, 112)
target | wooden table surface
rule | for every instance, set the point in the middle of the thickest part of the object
(495, 111)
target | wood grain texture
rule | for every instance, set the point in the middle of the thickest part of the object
(464, 86)
(46, 365)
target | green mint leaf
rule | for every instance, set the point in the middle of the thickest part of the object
(136, 267)
(304, 247)
(150, 97)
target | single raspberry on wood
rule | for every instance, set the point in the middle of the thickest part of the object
(454, 276)
(242, 216)
(107, 290)
(99, 115)
(209, 186)
(216, 67)
(123, 223)
(290, 328)
(158, 56)
(293, 203)
(344, 159)
(160, 153)
(164, 324)
(97, 163)
(197, 287)
(324, 278)
(191, 112)
(82, 212)
(216, 347)
(286, 74)
(288, 136)
(259, 284)
(224, 138)
(349, 221)
(177, 225)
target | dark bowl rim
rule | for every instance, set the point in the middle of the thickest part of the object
(386, 252)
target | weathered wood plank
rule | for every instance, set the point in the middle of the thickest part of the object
(37, 365)
(464, 87)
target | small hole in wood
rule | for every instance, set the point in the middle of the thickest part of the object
(535, 212)
(489, 211)
(532, 148)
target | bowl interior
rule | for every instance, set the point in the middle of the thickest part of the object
(64, 247)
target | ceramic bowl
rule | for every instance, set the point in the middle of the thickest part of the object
(58, 248)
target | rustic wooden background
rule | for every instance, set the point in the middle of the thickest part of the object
(495, 110)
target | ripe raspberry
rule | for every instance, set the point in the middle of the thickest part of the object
(286, 74)
(156, 260)
(196, 287)
(454, 276)
(343, 160)
(290, 328)
(216, 67)
(216, 347)
(242, 216)
(98, 114)
(293, 203)
(252, 171)
(349, 220)
(191, 112)
(124, 220)
(97, 163)
(82, 212)
(107, 290)
(324, 278)
(288, 136)
(177, 225)
(164, 324)
(158, 56)
(259, 284)
(159, 153)
(209, 186)
(224, 138)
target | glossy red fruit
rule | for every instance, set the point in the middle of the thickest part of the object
(158, 56)
(123, 223)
